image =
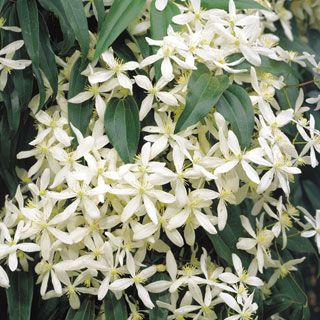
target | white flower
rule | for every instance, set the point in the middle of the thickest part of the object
(161, 4)
(313, 143)
(116, 68)
(245, 309)
(136, 279)
(261, 240)
(11, 246)
(7, 64)
(315, 225)
(154, 92)
(241, 274)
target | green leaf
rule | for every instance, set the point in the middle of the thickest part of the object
(158, 313)
(297, 243)
(221, 248)
(29, 23)
(160, 20)
(47, 59)
(312, 193)
(53, 309)
(85, 312)
(100, 11)
(57, 8)
(115, 309)
(121, 14)
(201, 98)
(224, 4)
(236, 107)
(123, 127)
(279, 303)
(78, 114)
(19, 295)
(77, 19)
(196, 74)
(1, 4)
(13, 107)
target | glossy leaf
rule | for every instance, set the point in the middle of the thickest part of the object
(19, 295)
(57, 8)
(47, 59)
(99, 5)
(85, 312)
(121, 14)
(201, 98)
(78, 114)
(236, 107)
(115, 309)
(77, 19)
(29, 23)
(224, 4)
(123, 127)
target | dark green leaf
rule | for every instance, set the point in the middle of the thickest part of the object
(78, 114)
(221, 248)
(85, 312)
(158, 313)
(123, 127)
(201, 98)
(297, 243)
(19, 295)
(57, 8)
(47, 59)
(41, 87)
(280, 303)
(115, 309)
(1, 4)
(121, 14)
(53, 309)
(224, 4)
(160, 20)
(13, 107)
(77, 19)
(196, 74)
(29, 23)
(236, 107)
(312, 193)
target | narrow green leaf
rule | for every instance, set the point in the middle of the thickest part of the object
(1, 4)
(279, 304)
(236, 107)
(53, 309)
(57, 8)
(100, 11)
(158, 313)
(85, 312)
(19, 295)
(221, 248)
(78, 114)
(312, 193)
(41, 87)
(29, 23)
(13, 107)
(115, 309)
(160, 20)
(224, 4)
(123, 127)
(201, 98)
(121, 14)
(47, 59)
(77, 19)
